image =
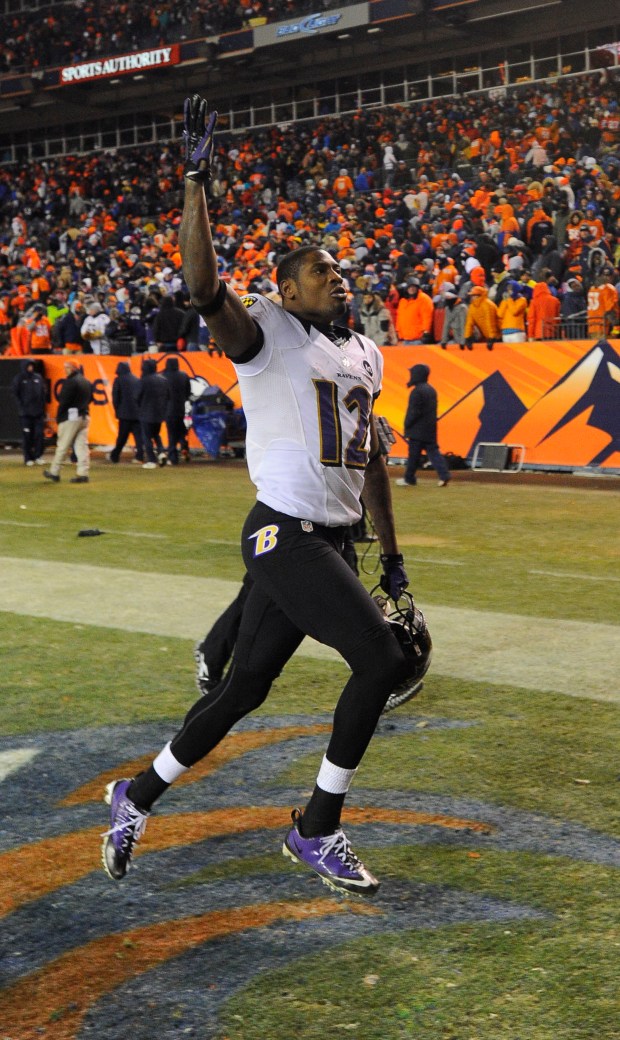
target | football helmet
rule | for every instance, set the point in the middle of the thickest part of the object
(409, 626)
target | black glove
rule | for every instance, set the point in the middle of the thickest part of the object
(198, 139)
(394, 579)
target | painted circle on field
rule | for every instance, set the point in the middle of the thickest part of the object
(209, 896)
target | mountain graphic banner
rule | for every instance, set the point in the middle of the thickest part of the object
(560, 399)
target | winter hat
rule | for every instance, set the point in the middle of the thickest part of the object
(471, 263)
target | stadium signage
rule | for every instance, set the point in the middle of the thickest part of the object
(312, 25)
(120, 64)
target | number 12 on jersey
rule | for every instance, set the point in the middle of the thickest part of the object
(357, 399)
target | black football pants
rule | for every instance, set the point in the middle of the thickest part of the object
(302, 586)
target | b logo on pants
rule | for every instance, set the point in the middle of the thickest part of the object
(266, 539)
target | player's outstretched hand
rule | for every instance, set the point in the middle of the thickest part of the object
(394, 579)
(198, 133)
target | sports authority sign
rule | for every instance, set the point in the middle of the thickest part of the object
(121, 64)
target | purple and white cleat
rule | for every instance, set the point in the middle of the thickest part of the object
(332, 858)
(127, 824)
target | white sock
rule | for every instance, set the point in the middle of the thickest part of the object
(333, 779)
(167, 767)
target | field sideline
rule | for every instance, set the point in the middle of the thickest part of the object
(488, 806)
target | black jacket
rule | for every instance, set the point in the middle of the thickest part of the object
(573, 303)
(421, 417)
(76, 392)
(179, 384)
(125, 392)
(29, 389)
(153, 394)
(168, 322)
(68, 329)
(190, 326)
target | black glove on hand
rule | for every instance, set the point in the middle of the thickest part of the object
(394, 579)
(198, 139)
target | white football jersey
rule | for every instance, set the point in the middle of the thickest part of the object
(307, 402)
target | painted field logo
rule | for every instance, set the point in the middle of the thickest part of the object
(210, 900)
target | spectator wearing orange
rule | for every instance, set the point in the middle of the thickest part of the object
(40, 288)
(593, 223)
(544, 311)
(477, 276)
(342, 184)
(31, 258)
(392, 300)
(18, 342)
(512, 314)
(572, 234)
(5, 318)
(508, 223)
(602, 308)
(39, 331)
(414, 315)
(481, 318)
(447, 274)
(538, 226)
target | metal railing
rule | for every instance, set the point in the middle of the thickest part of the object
(128, 131)
(578, 326)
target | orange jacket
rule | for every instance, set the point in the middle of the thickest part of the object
(482, 316)
(19, 342)
(512, 313)
(543, 312)
(342, 185)
(40, 334)
(414, 317)
(448, 273)
(602, 309)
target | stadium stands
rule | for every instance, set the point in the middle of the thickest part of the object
(75, 31)
(514, 194)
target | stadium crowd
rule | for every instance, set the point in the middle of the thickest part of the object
(77, 30)
(455, 220)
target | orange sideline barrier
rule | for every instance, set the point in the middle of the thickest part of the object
(102, 370)
(560, 399)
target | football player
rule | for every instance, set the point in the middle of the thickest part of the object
(308, 387)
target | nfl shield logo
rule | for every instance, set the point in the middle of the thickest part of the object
(306, 525)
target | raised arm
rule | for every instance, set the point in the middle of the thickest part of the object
(229, 322)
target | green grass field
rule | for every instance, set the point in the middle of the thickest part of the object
(530, 548)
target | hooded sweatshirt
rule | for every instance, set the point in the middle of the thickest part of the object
(421, 415)
(124, 393)
(543, 312)
(153, 394)
(29, 389)
(179, 384)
